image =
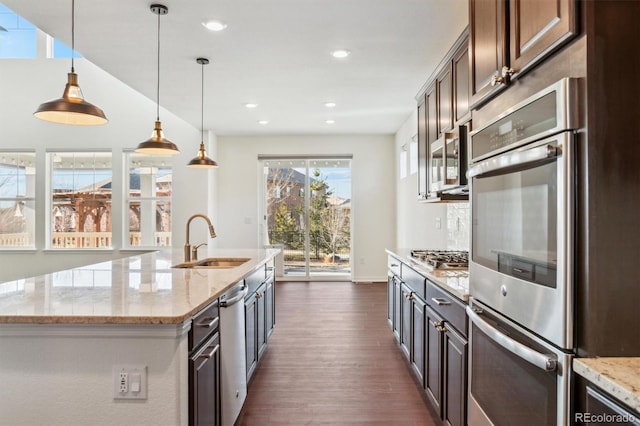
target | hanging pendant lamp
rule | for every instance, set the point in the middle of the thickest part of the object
(71, 108)
(202, 161)
(157, 144)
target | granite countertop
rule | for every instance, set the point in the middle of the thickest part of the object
(455, 281)
(620, 377)
(140, 289)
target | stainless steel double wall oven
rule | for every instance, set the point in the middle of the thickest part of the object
(521, 273)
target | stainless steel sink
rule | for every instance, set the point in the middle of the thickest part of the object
(214, 263)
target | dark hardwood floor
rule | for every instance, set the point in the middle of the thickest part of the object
(332, 360)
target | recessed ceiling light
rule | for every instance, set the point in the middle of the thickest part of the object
(330, 121)
(263, 122)
(340, 53)
(214, 25)
(330, 104)
(250, 105)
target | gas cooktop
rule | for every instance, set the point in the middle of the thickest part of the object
(442, 259)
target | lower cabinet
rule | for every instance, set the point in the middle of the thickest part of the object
(259, 315)
(204, 368)
(431, 333)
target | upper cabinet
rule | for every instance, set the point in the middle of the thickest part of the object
(443, 106)
(509, 37)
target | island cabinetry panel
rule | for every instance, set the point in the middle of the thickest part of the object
(260, 315)
(204, 367)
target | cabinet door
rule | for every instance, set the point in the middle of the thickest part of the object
(537, 28)
(487, 41)
(204, 380)
(431, 110)
(422, 149)
(390, 303)
(433, 359)
(405, 320)
(396, 308)
(444, 82)
(261, 315)
(251, 334)
(417, 332)
(270, 305)
(461, 85)
(454, 409)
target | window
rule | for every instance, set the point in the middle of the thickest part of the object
(81, 185)
(17, 199)
(148, 200)
(19, 39)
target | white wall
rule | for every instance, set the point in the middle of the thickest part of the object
(25, 84)
(373, 195)
(416, 224)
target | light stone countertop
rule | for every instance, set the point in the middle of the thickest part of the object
(140, 289)
(455, 281)
(619, 377)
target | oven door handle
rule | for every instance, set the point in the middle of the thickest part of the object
(514, 160)
(545, 362)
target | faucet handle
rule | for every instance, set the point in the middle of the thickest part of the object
(194, 251)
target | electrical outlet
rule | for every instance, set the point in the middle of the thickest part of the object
(123, 382)
(438, 223)
(129, 382)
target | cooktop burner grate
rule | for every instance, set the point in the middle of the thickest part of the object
(442, 259)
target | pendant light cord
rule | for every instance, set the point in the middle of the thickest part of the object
(73, 32)
(158, 85)
(202, 103)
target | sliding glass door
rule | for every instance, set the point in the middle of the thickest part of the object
(307, 212)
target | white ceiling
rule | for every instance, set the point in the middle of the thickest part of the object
(275, 53)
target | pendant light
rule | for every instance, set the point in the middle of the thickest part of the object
(157, 144)
(201, 161)
(71, 108)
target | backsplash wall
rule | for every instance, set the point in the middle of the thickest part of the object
(458, 226)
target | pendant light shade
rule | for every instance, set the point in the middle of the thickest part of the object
(202, 161)
(71, 108)
(157, 144)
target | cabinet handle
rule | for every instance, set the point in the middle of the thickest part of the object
(394, 265)
(436, 324)
(506, 73)
(208, 322)
(211, 353)
(518, 270)
(440, 302)
(409, 296)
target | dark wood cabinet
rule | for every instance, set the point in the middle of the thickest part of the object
(595, 407)
(270, 305)
(442, 107)
(259, 316)
(405, 320)
(204, 367)
(204, 372)
(417, 337)
(422, 149)
(509, 37)
(444, 83)
(537, 28)
(251, 332)
(460, 63)
(433, 358)
(488, 45)
(454, 378)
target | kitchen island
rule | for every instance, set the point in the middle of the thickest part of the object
(62, 333)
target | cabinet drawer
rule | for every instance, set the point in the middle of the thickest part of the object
(393, 265)
(414, 281)
(446, 305)
(203, 324)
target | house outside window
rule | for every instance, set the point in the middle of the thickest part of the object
(148, 200)
(80, 200)
(17, 200)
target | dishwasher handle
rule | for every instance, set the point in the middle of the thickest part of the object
(225, 303)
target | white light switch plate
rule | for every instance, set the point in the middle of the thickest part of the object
(129, 382)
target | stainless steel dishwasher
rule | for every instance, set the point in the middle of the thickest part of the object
(232, 353)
